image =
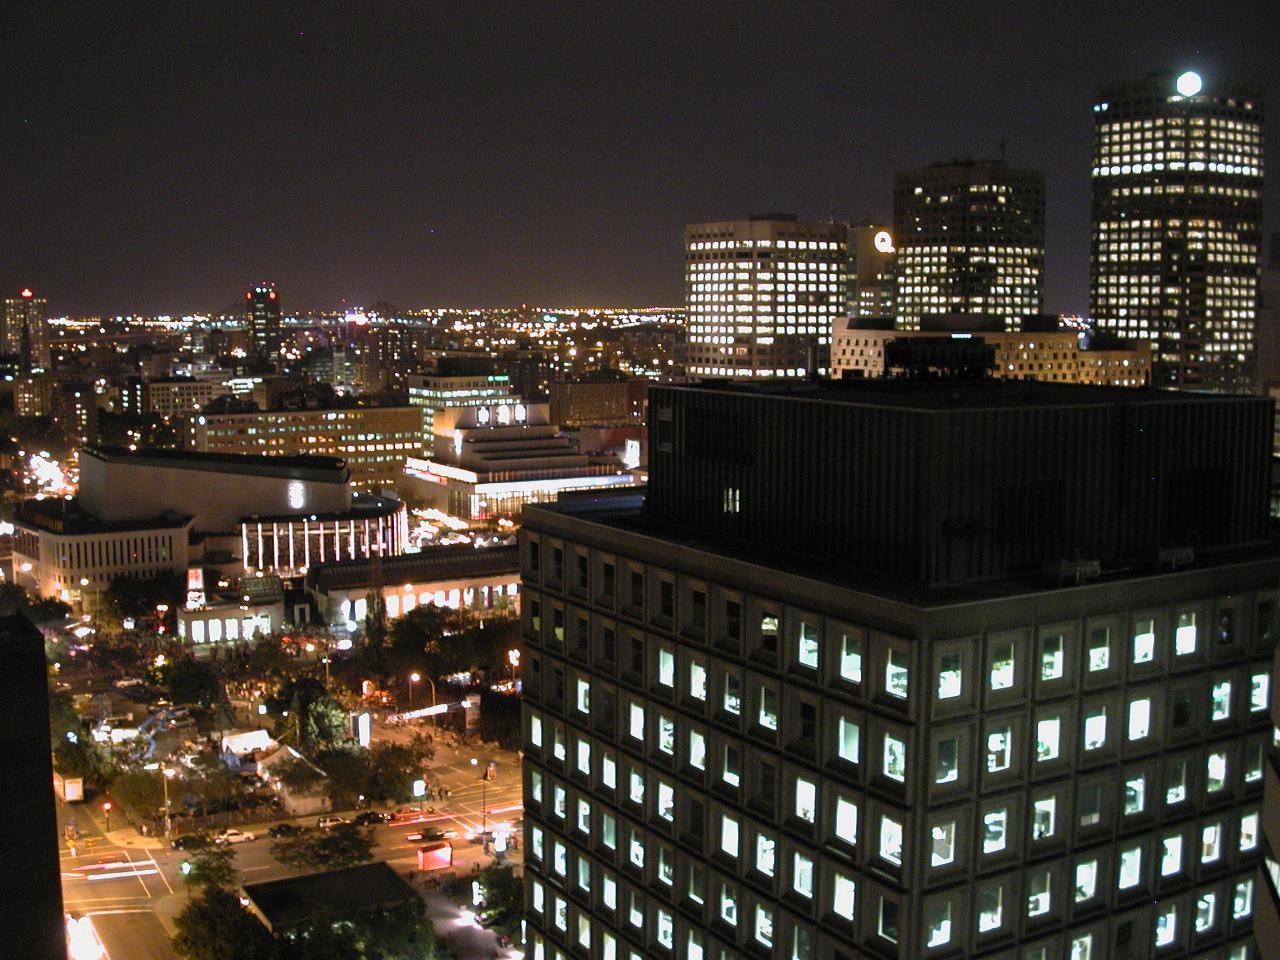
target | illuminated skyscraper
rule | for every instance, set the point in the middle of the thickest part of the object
(26, 331)
(970, 239)
(262, 312)
(1177, 225)
(872, 266)
(762, 295)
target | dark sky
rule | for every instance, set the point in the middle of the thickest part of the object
(493, 153)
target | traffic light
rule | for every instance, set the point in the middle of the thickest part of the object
(106, 806)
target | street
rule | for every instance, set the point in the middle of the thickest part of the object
(133, 888)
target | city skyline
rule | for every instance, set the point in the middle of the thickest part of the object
(415, 165)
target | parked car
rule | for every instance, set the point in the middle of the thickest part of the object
(284, 830)
(189, 841)
(234, 836)
(369, 817)
(328, 823)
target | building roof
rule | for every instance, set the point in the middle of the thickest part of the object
(949, 395)
(431, 565)
(363, 506)
(317, 469)
(67, 518)
(294, 900)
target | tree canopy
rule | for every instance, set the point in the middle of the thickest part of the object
(214, 926)
(344, 845)
(191, 681)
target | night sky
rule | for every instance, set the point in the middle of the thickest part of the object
(432, 155)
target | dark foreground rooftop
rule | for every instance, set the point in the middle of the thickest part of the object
(314, 468)
(285, 903)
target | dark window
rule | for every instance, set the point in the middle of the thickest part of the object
(698, 609)
(1226, 625)
(584, 632)
(606, 587)
(666, 598)
(889, 920)
(557, 689)
(1266, 613)
(733, 620)
(767, 781)
(637, 588)
(557, 624)
(535, 616)
(1181, 708)
(808, 723)
(608, 645)
(694, 818)
(637, 655)
(557, 563)
(582, 571)
(1124, 933)
(535, 556)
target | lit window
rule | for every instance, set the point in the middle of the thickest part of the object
(938, 925)
(1176, 788)
(1086, 880)
(1206, 911)
(990, 909)
(1171, 855)
(666, 801)
(808, 647)
(994, 828)
(896, 675)
(666, 930)
(666, 734)
(764, 926)
(847, 820)
(666, 668)
(732, 694)
(728, 905)
(1259, 684)
(636, 847)
(895, 758)
(947, 767)
(1184, 635)
(1002, 667)
(1048, 738)
(950, 676)
(635, 721)
(851, 658)
(1082, 948)
(847, 734)
(535, 730)
(802, 875)
(584, 756)
(697, 681)
(766, 854)
(1166, 926)
(1043, 818)
(768, 715)
(1135, 795)
(999, 750)
(1099, 649)
(1051, 658)
(1144, 641)
(1248, 831)
(1242, 902)
(806, 799)
(697, 750)
(1130, 868)
(635, 786)
(943, 848)
(1216, 772)
(1139, 718)
(843, 896)
(891, 840)
(558, 801)
(1220, 697)
(729, 835)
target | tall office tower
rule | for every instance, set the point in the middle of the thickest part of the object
(905, 670)
(31, 884)
(26, 331)
(262, 314)
(872, 263)
(970, 238)
(762, 295)
(1177, 225)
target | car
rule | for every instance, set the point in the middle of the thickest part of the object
(284, 830)
(189, 841)
(234, 836)
(431, 835)
(369, 817)
(328, 823)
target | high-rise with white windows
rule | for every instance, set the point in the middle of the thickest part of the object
(970, 241)
(905, 669)
(1177, 224)
(762, 295)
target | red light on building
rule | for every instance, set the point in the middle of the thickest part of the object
(435, 856)
(249, 295)
(271, 295)
(27, 293)
(106, 805)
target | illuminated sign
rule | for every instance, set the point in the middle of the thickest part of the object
(883, 241)
(195, 588)
(631, 454)
(27, 293)
(297, 495)
(362, 727)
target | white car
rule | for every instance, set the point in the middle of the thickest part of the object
(328, 823)
(234, 836)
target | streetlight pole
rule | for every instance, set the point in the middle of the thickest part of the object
(413, 678)
(484, 811)
(165, 774)
(433, 699)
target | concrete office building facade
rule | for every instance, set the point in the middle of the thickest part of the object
(737, 750)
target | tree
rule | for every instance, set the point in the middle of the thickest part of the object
(344, 845)
(310, 719)
(347, 768)
(138, 597)
(299, 775)
(392, 769)
(210, 781)
(37, 609)
(267, 657)
(214, 926)
(503, 897)
(500, 719)
(401, 932)
(139, 790)
(210, 866)
(192, 681)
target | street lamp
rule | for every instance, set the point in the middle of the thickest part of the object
(513, 658)
(413, 678)
(484, 813)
